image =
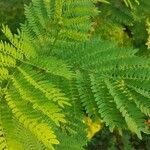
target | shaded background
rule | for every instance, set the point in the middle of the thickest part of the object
(12, 13)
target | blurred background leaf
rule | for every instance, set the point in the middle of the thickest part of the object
(12, 13)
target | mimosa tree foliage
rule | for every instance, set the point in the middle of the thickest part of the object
(54, 72)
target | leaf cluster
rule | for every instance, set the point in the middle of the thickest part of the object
(54, 72)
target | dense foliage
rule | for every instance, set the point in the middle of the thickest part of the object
(73, 64)
(104, 140)
(12, 13)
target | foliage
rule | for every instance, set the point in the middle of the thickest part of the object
(12, 13)
(148, 30)
(56, 71)
(130, 20)
(112, 141)
(28, 91)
